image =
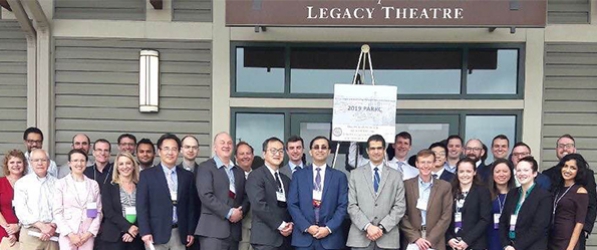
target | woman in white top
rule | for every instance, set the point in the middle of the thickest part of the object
(77, 206)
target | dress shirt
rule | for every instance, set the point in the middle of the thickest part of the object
(293, 166)
(408, 171)
(52, 168)
(424, 192)
(379, 169)
(33, 199)
(451, 169)
(477, 164)
(228, 169)
(247, 173)
(187, 167)
(439, 173)
(273, 172)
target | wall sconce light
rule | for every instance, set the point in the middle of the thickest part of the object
(149, 83)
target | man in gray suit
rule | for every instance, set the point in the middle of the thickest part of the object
(294, 149)
(375, 201)
(221, 188)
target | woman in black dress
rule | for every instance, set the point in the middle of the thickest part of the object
(570, 204)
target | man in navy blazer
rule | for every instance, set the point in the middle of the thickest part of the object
(439, 171)
(167, 201)
(318, 201)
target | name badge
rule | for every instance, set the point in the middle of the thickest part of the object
(91, 210)
(280, 197)
(173, 195)
(422, 204)
(458, 217)
(317, 195)
(513, 222)
(496, 221)
(130, 214)
(459, 203)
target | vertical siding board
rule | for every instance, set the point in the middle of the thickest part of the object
(97, 90)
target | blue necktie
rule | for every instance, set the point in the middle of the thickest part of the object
(317, 185)
(376, 179)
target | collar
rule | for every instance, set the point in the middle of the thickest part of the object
(478, 163)
(528, 191)
(439, 172)
(293, 166)
(271, 170)
(379, 167)
(166, 170)
(220, 163)
(322, 167)
(425, 184)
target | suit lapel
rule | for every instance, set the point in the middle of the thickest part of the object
(326, 181)
(368, 179)
(309, 170)
(432, 193)
(384, 177)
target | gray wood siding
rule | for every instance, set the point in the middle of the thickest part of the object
(102, 10)
(13, 86)
(192, 10)
(568, 11)
(97, 91)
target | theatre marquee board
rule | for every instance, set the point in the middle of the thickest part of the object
(387, 13)
(363, 110)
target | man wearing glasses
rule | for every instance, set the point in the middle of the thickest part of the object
(33, 139)
(567, 145)
(318, 202)
(127, 143)
(474, 150)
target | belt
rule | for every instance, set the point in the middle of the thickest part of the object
(175, 225)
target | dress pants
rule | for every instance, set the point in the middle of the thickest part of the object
(173, 244)
(207, 243)
(33, 243)
(372, 246)
(136, 244)
(316, 245)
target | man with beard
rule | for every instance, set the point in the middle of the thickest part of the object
(145, 154)
(34, 139)
(244, 159)
(474, 150)
(567, 145)
(82, 142)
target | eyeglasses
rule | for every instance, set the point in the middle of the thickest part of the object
(519, 155)
(566, 146)
(34, 141)
(127, 144)
(274, 151)
(169, 150)
(473, 149)
(317, 147)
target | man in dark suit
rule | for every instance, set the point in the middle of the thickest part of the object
(439, 171)
(474, 150)
(318, 224)
(566, 145)
(221, 188)
(294, 149)
(268, 190)
(189, 151)
(167, 200)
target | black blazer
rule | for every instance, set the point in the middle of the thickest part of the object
(532, 225)
(447, 176)
(555, 175)
(154, 205)
(113, 224)
(268, 213)
(476, 217)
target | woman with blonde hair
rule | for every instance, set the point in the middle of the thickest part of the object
(77, 206)
(14, 167)
(120, 230)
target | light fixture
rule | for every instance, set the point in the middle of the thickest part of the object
(149, 72)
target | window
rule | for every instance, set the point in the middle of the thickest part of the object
(485, 127)
(419, 71)
(254, 128)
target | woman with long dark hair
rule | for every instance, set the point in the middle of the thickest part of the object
(471, 209)
(570, 203)
(500, 182)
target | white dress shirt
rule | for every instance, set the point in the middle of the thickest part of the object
(319, 193)
(33, 199)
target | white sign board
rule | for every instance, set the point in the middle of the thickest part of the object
(363, 110)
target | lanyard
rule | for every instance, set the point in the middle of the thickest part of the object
(557, 200)
(502, 203)
(107, 174)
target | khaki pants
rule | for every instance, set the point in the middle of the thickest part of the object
(33, 243)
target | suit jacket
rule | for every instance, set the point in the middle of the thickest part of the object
(154, 205)
(476, 217)
(483, 172)
(555, 175)
(332, 212)
(439, 212)
(532, 224)
(268, 213)
(384, 208)
(447, 176)
(213, 189)
(71, 216)
(287, 171)
(114, 224)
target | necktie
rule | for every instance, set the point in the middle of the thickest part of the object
(376, 179)
(170, 180)
(172, 186)
(317, 185)
(400, 165)
(296, 168)
(278, 182)
(435, 176)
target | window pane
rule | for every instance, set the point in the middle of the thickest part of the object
(414, 72)
(255, 128)
(423, 134)
(492, 71)
(260, 70)
(485, 127)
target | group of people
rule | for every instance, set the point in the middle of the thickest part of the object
(444, 197)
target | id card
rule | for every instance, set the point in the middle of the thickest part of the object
(422, 204)
(496, 221)
(513, 222)
(280, 197)
(130, 214)
(91, 210)
(174, 196)
(317, 195)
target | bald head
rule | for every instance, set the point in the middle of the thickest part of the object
(474, 149)
(81, 141)
(223, 146)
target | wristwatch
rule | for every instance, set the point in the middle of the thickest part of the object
(383, 229)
